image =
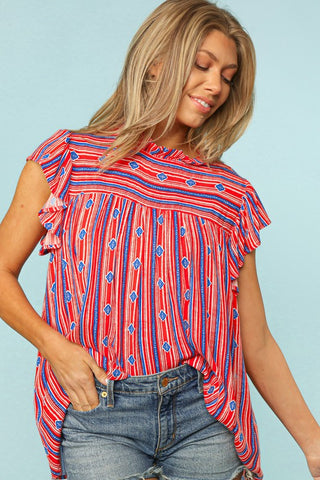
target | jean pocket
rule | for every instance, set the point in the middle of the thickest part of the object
(83, 412)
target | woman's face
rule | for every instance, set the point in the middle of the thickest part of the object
(209, 83)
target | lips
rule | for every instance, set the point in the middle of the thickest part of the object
(203, 104)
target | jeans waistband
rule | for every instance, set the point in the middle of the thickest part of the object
(159, 383)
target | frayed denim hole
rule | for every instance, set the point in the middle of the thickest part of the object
(150, 473)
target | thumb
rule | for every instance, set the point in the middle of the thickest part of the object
(99, 373)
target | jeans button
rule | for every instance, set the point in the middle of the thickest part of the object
(165, 381)
(104, 394)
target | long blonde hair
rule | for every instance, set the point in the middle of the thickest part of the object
(172, 34)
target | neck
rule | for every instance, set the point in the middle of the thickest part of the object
(175, 138)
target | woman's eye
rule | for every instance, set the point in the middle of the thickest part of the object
(227, 81)
(201, 67)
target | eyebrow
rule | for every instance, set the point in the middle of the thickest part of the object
(212, 55)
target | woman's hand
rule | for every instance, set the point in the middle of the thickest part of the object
(75, 370)
(312, 453)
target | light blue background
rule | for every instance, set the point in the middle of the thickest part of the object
(59, 62)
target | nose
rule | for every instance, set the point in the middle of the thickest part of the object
(214, 83)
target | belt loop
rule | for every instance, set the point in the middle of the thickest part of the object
(110, 396)
(200, 382)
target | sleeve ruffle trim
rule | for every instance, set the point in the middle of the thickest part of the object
(51, 217)
(245, 235)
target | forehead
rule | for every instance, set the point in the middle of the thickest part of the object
(221, 47)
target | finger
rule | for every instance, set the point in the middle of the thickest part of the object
(98, 372)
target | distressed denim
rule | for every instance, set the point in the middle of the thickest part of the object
(149, 426)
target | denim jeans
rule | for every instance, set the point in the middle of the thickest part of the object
(149, 426)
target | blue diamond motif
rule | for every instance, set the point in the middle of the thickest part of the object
(209, 250)
(107, 309)
(136, 263)
(51, 257)
(241, 437)
(53, 288)
(187, 295)
(220, 187)
(73, 326)
(62, 172)
(159, 250)
(109, 277)
(211, 390)
(46, 155)
(115, 213)
(81, 266)
(208, 315)
(160, 283)
(48, 225)
(182, 231)
(162, 177)
(131, 329)
(162, 315)
(112, 244)
(131, 359)
(185, 262)
(134, 165)
(161, 219)
(68, 296)
(209, 283)
(139, 232)
(185, 324)
(166, 347)
(232, 405)
(116, 373)
(64, 264)
(191, 183)
(82, 234)
(133, 296)
(203, 221)
(105, 341)
(235, 314)
(38, 361)
(74, 155)
(234, 344)
(220, 248)
(89, 203)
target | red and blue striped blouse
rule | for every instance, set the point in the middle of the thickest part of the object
(143, 267)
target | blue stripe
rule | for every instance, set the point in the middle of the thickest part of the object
(191, 343)
(89, 270)
(174, 327)
(124, 275)
(160, 188)
(71, 246)
(140, 332)
(153, 284)
(96, 308)
(202, 290)
(195, 169)
(166, 202)
(218, 309)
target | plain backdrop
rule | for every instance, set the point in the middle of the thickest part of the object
(59, 62)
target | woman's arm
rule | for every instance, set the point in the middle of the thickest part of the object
(20, 231)
(269, 371)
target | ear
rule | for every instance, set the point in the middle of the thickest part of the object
(155, 69)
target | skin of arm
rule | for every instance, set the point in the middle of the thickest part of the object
(20, 231)
(268, 369)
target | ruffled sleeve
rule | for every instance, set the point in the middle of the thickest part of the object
(245, 235)
(55, 159)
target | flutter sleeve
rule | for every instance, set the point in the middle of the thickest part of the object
(245, 235)
(54, 157)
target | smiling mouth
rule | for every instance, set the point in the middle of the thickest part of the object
(203, 106)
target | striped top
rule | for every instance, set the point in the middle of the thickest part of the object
(143, 267)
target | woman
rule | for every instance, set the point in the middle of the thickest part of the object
(152, 273)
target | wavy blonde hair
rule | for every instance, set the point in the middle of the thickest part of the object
(172, 34)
